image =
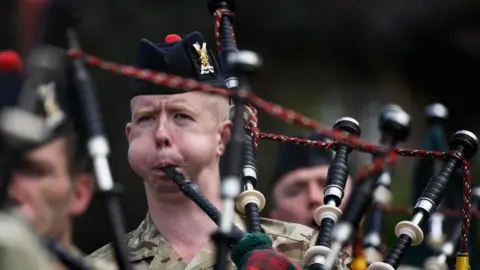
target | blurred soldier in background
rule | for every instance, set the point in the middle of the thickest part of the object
(299, 178)
(51, 185)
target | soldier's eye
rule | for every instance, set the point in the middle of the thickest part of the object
(182, 116)
(145, 118)
(295, 190)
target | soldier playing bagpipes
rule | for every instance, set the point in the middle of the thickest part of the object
(188, 130)
(299, 180)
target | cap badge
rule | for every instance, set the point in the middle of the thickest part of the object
(205, 67)
(53, 113)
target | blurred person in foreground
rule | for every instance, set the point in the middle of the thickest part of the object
(51, 186)
(189, 130)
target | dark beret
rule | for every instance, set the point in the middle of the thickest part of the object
(291, 156)
(189, 57)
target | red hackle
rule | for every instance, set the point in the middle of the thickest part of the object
(10, 61)
(172, 38)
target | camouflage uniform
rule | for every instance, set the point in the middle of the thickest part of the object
(20, 249)
(17, 237)
(101, 264)
(146, 244)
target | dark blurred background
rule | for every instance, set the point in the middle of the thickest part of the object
(325, 59)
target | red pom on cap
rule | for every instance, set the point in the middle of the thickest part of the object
(10, 61)
(172, 38)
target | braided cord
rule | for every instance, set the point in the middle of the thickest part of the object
(290, 117)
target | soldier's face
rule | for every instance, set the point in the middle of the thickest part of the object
(299, 193)
(45, 192)
(182, 129)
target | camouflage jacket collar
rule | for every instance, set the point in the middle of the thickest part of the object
(92, 264)
(143, 242)
(147, 244)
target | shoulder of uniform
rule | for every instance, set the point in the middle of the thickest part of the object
(102, 264)
(102, 253)
(110, 264)
(107, 251)
(292, 231)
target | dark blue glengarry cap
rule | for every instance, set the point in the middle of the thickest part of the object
(58, 108)
(291, 156)
(189, 57)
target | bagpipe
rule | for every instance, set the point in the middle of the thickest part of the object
(253, 249)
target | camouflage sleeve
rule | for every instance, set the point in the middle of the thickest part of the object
(17, 238)
(291, 239)
(102, 265)
(104, 259)
(105, 252)
(108, 265)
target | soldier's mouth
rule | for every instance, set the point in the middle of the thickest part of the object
(161, 170)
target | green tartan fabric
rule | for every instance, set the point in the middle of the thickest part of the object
(254, 251)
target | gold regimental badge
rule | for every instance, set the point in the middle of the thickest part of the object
(205, 67)
(54, 115)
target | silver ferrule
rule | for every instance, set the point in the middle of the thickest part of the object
(334, 190)
(231, 82)
(249, 171)
(426, 204)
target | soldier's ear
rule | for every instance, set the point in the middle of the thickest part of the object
(82, 193)
(223, 135)
(128, 131)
